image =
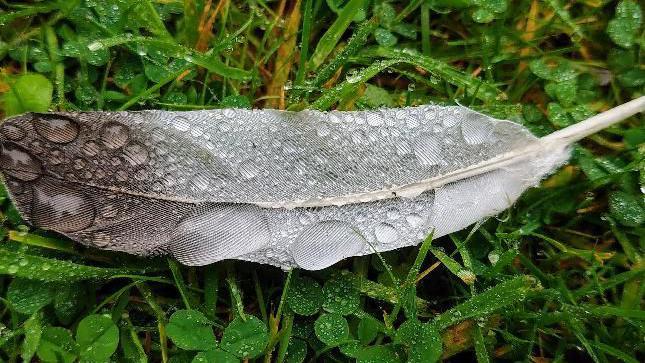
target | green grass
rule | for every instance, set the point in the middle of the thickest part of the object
(559, 277)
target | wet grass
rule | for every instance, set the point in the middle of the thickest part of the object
(559, 277)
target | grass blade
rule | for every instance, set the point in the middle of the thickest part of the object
(489, 301)
(330, 39)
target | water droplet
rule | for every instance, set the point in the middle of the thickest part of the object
(393, 213)
(91, 148)
(322, 130)
(18, 163)
(493, 258)
(56, 128)
(61, 209)
(141, 50)
(114, 135)
(427, 148)
(79, 164)
(196, 131)
(200, 182)
(476, 131)
(375, 119)
(121, 175)
(414, 220)
(135, 154)
(358, 137)
(101, 239)
(94, 46)
(12, 132)
(402, 148)
(56, 157)
(180, 123)
(333, 118)
(325, 243)
(386, 233)
(215, 232)
(248, 169)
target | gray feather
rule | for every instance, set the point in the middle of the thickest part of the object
(289, 189)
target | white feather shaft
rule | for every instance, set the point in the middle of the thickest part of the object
(556, 141)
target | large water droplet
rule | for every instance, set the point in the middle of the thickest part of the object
(215, 232)
(427, 148)
(325, 243)
(386, 233)
(12, 132)
(61, 209)
(56, 128)
(135, 154)
(18, 163)
(180, 123)
(476, 131)
(114, 135)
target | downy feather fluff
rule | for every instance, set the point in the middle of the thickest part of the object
(302, 189)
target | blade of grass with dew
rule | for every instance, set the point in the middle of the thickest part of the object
(307, 22)
(486, 91)
(499, 296)
(50, 269)
(349, 86)
(354, 44)
(330, 39)
(33, 239)
(206, 60)
(179, 282)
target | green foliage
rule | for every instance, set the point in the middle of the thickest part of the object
(304, 296)
(57, 345)
(558, 277)
(332, 329)
(191, 330)
(97, 337)
(624, 28)
(27, 93)
(28, 296)
(245, 338)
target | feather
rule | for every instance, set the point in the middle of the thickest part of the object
(302, 189)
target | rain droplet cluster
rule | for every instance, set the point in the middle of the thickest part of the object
(186, 182)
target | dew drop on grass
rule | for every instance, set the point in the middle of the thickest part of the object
(493, 257)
